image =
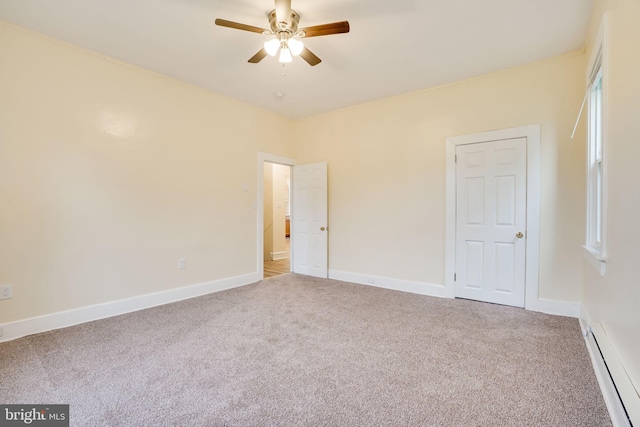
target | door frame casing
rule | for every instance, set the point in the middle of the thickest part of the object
(280, 160)
(532, 258)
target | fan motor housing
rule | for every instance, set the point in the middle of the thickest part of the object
(293, 22)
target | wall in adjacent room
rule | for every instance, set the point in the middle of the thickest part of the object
(280, 173)
(268, 211)
(387, 171)
(109, 174)
(275, 209)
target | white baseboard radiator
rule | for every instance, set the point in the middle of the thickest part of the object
(615, 384)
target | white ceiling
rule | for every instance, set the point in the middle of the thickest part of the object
(394, 47)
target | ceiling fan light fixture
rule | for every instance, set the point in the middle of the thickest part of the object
(296, 46)
(285, 55)
(285, 34)
(272, 46)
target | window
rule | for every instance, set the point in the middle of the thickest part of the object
(596, 167)
(595, 162)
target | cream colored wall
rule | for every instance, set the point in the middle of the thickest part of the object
(109, 174)
(614, 300)
(112, 173)
(387, 171)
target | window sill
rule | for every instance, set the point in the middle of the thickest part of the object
(595, 260)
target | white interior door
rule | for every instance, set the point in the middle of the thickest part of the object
(491, 195)
(309, 227)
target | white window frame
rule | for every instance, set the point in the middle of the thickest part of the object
(596, 233)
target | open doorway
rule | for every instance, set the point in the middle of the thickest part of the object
(308, 242)
(276, 219)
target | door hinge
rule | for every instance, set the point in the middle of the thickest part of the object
(454, 277)
(456, 158)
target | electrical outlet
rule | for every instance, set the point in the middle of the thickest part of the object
(6, 292)
(182, 264)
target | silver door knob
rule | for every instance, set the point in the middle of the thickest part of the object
(519, 235)
(321, 228)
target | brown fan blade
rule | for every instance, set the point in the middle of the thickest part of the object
(258, 56)
(310, 57)
(238, 26)
(327, 29)
(283, 10)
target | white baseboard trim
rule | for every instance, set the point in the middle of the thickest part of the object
(278, 255)
(602, 371)
(421, 288)
(63, 319)
(559, 308)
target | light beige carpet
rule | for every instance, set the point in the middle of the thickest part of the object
(294, 350)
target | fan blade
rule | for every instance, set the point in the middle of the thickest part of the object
(310, 57)
(283, 11)
(258, 56)
(327, 29)
(238, 26)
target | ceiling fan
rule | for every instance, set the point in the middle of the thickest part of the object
(284, 27)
